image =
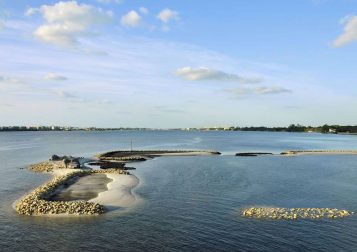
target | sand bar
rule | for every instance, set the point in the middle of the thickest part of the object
(119, 194)
(82, 188)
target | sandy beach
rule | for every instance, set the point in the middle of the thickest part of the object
(119, 194)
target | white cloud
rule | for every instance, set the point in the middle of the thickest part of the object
(272, 90)
(55, 77)
(207, 74)
(143, 10)
(140, 72)
(66, 22)
(131, 19)
(259, 91)
(166, 15)
(350, 32)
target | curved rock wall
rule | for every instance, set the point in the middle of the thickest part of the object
(35, 203)
(294, 213)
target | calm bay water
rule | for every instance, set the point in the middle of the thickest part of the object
(190, 203)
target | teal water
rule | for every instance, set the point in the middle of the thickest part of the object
(190, 203)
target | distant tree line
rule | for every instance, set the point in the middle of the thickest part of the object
(60, 128)
(300, 128)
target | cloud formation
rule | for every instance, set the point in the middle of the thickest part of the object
(207, 74)
(166, 15)
(259, 91)
(55, 77)
(66, 22)
(131, 19)
(350, 32)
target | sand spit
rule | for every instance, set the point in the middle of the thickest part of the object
(318, 152)
(294, 213)
(119, 194)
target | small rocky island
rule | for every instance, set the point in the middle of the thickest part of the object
(294, 213)
(67, 170)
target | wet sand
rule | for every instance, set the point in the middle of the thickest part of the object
(83, 188)
(113, 191)
(119, 194)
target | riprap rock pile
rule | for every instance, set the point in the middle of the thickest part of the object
(35, 203)
(294, 213)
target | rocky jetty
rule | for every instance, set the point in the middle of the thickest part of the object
(252, 154)
(37, 203)
(127, 159)
(111, 165)
(133, 156)
(294, 213)
(112, 170)
(45, 166)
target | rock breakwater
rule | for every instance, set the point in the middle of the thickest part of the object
(37, 203)
(131, 156)
(294, 213)
(252, 154)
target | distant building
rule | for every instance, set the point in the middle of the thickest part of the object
(330, 130)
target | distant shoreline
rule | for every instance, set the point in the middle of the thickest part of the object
(328, 129)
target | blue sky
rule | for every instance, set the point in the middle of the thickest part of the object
(112, 63)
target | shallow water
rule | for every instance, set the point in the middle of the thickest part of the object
(190, 203)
